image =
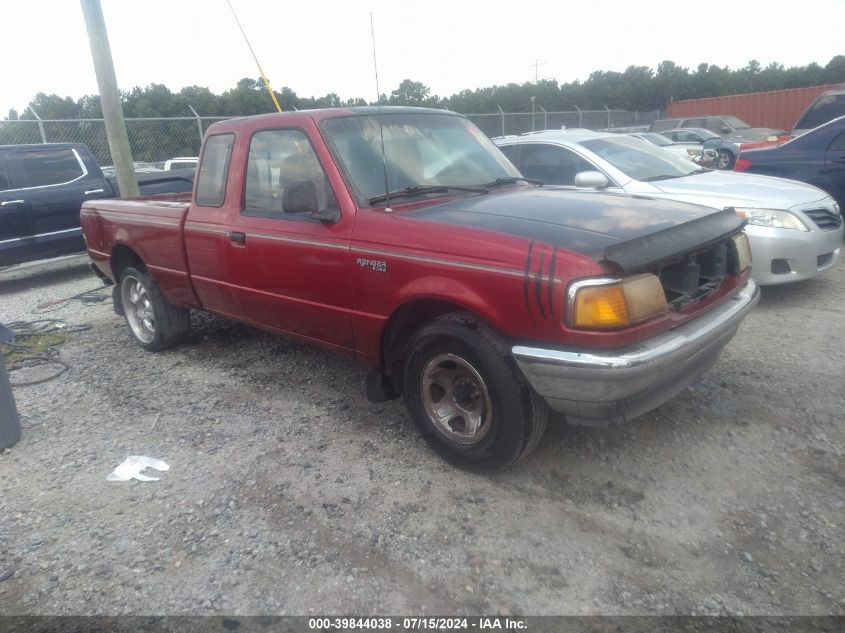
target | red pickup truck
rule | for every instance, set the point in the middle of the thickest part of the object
(405, 238)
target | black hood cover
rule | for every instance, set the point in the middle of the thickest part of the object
(632, 232)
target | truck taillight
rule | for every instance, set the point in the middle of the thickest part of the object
(742, 164)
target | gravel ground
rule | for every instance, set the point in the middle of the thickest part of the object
(289, 493)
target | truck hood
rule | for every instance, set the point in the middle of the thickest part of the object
(595, 224)
(721, 189)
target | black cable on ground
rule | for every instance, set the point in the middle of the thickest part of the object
(37, 360)
(37, 343)
(88, 298)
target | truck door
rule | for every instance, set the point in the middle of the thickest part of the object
(15, 228)
(252, 259)
(56, 181)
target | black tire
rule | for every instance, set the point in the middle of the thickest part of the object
(726, 160)
(169, 325)
(517, 415)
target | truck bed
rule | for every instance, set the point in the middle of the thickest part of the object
(153, 225)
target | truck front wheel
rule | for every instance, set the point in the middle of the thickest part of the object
(154, 322)
(467, 397)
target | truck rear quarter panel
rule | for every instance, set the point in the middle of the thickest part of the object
(152, 230)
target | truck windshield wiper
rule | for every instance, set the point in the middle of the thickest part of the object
(510, 180)
(418, 190)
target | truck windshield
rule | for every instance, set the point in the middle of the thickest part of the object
(420, 150)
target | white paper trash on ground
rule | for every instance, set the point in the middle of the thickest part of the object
(133, 465)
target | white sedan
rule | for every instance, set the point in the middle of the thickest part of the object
(795, 229)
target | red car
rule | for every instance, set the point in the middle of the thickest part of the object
(404, 237)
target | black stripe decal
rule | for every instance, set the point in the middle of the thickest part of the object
(551, 295)
(526, 280)
(538, 284)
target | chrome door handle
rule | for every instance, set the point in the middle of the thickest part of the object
(90, 191)
(7, 202)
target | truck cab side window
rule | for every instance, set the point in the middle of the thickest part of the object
(277, 160)
(42, 168)
(213, 170)
(714, 124)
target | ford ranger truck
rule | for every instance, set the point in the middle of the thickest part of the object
(404, 238)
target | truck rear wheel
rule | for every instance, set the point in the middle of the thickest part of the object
(154, 322)
(467, 397)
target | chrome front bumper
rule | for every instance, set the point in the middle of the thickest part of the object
(602, 387)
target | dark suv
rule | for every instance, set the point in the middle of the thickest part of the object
(827, 106)
(42, 188)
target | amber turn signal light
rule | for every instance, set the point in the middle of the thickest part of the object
(617, 305)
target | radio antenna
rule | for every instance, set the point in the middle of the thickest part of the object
(387, 208)
(255, 57)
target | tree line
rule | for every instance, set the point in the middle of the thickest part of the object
(638, 88)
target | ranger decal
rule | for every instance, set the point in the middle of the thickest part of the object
(377, 265)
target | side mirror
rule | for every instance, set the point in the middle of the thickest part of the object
(726, 129)
(591, 180)
(300, 197)
(330, 215)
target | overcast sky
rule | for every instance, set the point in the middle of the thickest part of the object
(324, 46)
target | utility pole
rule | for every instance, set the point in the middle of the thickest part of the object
(110, 98)
(40, 127)
(537, 63)
(199, 123)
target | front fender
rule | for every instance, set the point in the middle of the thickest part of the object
(439, 288)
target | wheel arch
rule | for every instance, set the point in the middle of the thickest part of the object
(121, 257)
(409, 317)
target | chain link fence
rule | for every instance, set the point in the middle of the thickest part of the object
(154, 140)
(504, 123)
